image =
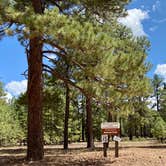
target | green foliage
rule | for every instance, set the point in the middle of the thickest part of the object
(159, 129)
(10, 130)
(19, 106)
(93, 49)
(2, 93)
(163, 103)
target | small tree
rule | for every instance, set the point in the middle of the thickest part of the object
(159, 129)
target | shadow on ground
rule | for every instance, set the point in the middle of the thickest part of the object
(58, 157)
(55, 157)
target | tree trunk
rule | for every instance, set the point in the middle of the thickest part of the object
(136, 131)
(144, 131)
(66, 118)
(83, 122)
(35, 132)
(89, 124)
(110, 118)
(130, 134)
(120, 121)
(157, 98)
(141, 131)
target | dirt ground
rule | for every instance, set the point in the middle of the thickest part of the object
(147, 153)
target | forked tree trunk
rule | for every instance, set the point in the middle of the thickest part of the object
(89, 123)
(35, 133)
(66, 118)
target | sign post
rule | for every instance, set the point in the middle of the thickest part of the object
(117, 140)
(110, 128)
(105, 142)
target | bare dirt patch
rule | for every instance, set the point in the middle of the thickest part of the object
(130, 154)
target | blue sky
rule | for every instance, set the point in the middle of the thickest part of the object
(155, 28)
(145, 17)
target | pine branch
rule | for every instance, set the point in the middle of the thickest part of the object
(66, 80)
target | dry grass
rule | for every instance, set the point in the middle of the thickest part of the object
(145, 153)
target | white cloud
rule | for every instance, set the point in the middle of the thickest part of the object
(156, 6)
(15, 88)
(134, 21)
(8, 97)
(152, 29)
(161, 70)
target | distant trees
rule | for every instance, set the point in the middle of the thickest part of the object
(10, 130)
(157, 83)
(159, 129)
(160, 95)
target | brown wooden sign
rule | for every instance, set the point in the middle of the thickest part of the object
(110, 128)
(113, 131)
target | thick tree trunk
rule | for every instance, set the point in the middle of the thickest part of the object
(89, 124)
(35, 133)
(66, 118)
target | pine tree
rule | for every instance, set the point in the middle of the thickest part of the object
(157, 83)
(163, 103)
(87, 44)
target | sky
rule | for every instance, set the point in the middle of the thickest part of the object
(145, 17)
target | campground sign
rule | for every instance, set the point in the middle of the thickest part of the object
(113, 129)
(110, 128)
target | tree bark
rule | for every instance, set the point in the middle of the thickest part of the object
(35, 132)
(130, 128)
(66, 118)
(110, 118)
(89, 124)
(158, 100)
(83, 120)
(120, 121)
(130, 134)
(141, 131)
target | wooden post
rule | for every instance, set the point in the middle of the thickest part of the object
(105, 149)
(116, 149)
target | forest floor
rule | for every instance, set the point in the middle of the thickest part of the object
(144, 153)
